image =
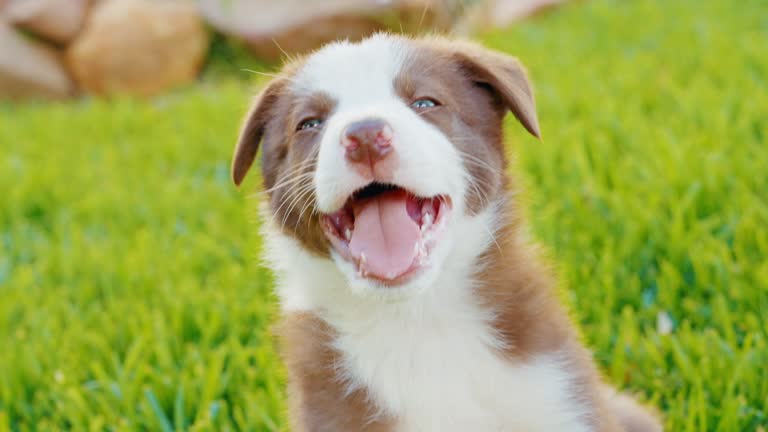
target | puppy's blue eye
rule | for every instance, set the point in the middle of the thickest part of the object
(424, 103)
(312, 123)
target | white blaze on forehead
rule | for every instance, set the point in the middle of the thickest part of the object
(354, 73)
(360, 78)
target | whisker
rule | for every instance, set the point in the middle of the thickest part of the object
(427, 111)
(294, 195)
(271, 75)
(290, 198)
(309, 203)
(477, 161)
(266, 74)
(493, 238)
(480, 164)
(286, 180)
(287, 56)
(289, 181)
(300, 197)
(473, 183)
(423, 15)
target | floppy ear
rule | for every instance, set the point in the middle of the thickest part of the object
(505, 76)
(253, 129)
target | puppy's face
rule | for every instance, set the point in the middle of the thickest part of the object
(375, 153)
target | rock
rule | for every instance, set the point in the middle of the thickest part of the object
(56, 20)
(29, 69)
(139, 47)
(505, 12)
(272, 28)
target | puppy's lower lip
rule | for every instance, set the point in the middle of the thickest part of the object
(386, 232)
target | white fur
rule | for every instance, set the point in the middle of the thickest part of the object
(431, 359)
(426, 352)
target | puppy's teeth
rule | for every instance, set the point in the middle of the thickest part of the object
(363, 271)
(421, 256)
(348, 234)
(426, 222)
(425, 208)
(420, 249)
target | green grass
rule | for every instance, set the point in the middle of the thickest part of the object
(131, 297)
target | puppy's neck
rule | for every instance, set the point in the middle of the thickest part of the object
(488, 322)
(308, 283)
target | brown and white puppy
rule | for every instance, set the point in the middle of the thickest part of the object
(411, 301)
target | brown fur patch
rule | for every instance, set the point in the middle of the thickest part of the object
(529, 318)
(319, 397)
(632, 416)
(475, 89)
(289, 156)
(467, 115)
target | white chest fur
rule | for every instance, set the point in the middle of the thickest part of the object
(432, 361)
(436, 372)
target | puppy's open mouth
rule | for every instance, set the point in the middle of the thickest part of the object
(386, 231)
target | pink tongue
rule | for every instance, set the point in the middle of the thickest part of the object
(385, 234)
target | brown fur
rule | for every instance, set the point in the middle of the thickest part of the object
(288, 156)
(475, 88)
(632, 416)
(320, 398)
(529, 318)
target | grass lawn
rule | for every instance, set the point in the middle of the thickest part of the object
(131, 297)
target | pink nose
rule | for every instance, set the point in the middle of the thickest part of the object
(367, 141)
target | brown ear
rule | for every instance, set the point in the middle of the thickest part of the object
(506, 77)
(253, 129)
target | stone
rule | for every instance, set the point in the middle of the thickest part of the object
(139, 47)
(56, 20)
(30, 69)
(276, 28)
(505, 12)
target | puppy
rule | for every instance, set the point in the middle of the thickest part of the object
(411, 299)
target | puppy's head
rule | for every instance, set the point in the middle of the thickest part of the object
(375, 153)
